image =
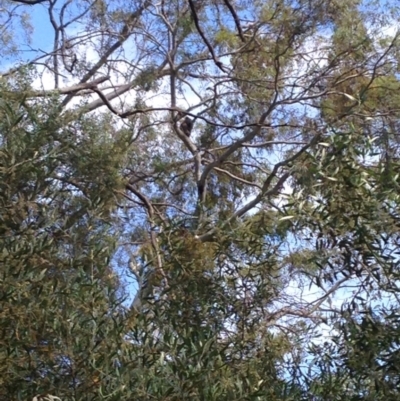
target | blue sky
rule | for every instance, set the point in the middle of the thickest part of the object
(42, 36)
(43, 33)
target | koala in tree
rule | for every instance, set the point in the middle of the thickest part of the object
(187, 123)
(186, 126)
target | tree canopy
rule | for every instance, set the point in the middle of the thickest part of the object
(199, 200)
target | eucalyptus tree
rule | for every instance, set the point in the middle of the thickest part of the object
(244, 236)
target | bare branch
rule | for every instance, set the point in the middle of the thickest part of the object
(201, 33)
(29, 2)
(236, 19)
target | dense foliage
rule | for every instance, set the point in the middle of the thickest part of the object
(199, 200)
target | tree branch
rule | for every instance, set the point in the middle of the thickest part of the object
(201, 33)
